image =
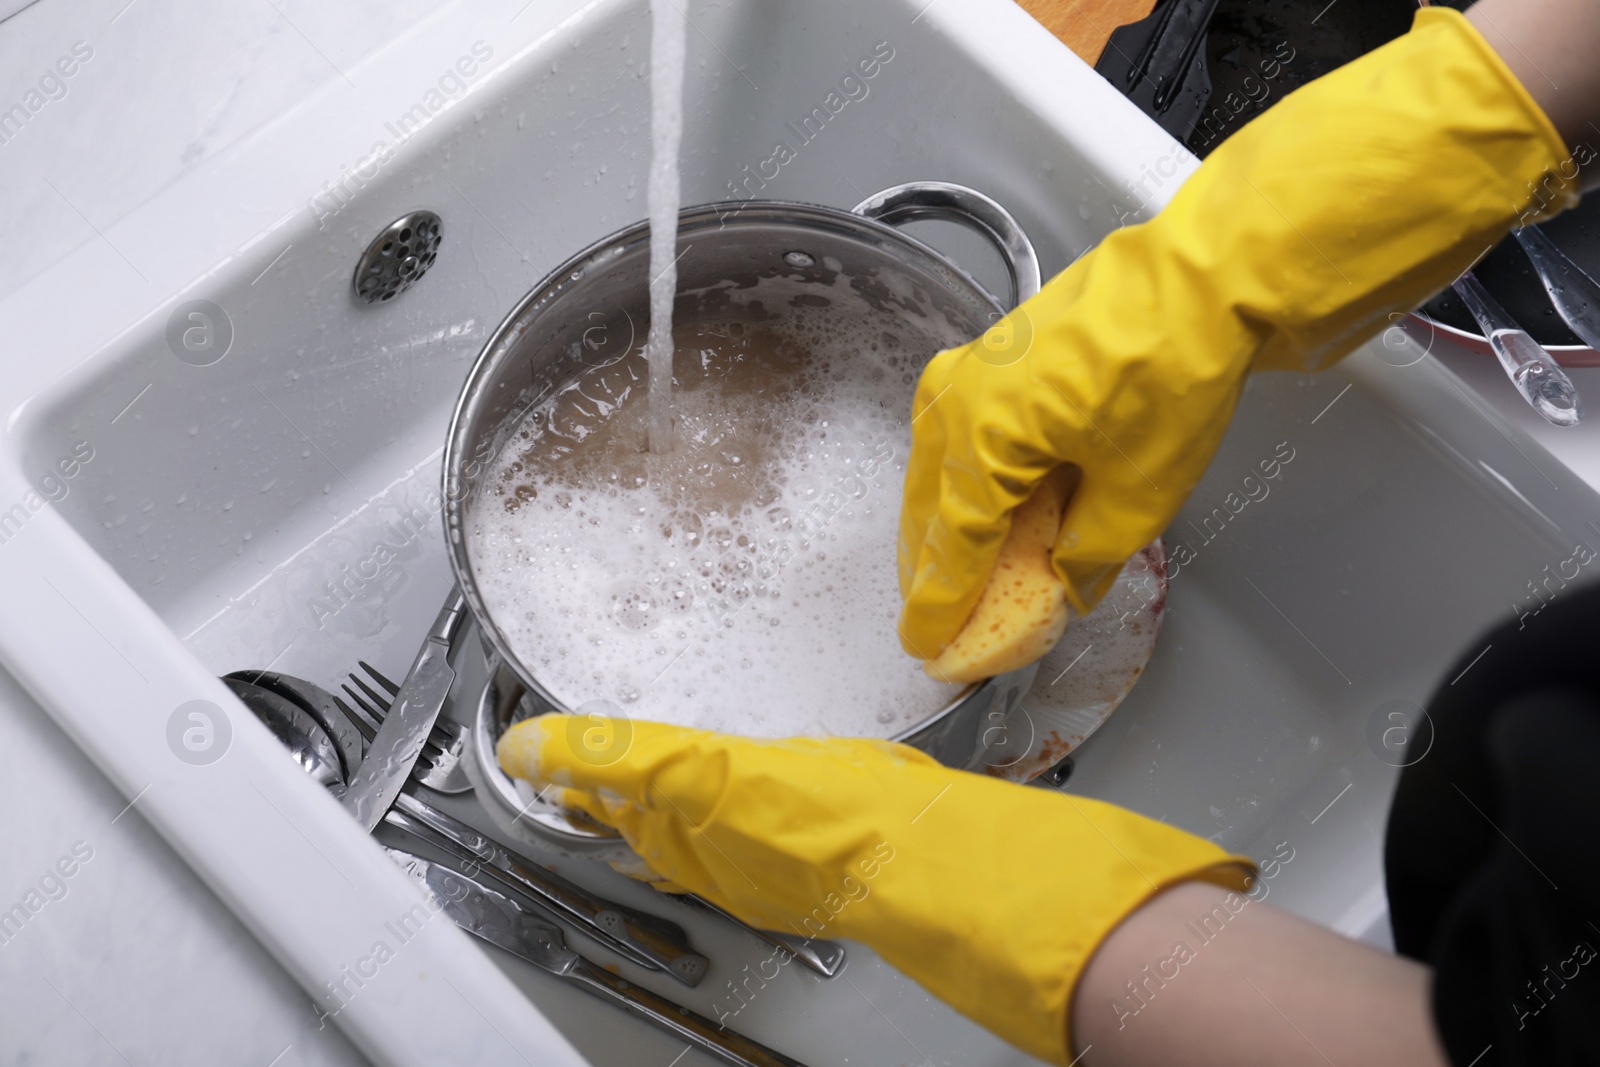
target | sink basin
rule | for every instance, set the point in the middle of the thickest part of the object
(225, 460)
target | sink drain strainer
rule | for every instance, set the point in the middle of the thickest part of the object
(397, 257)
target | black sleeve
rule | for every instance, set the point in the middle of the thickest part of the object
(1493, 849)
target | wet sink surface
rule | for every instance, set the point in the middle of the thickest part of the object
(279, 504)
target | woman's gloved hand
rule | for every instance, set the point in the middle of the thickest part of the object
(1356, 196)
(991, 895)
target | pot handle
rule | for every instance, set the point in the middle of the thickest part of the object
(970, 208)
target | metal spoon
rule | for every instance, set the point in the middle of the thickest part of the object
(307, 742)
(314, 701)
(1543, 384)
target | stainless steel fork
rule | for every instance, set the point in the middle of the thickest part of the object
(439, 767)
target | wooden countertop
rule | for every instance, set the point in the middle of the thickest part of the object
(1085, 25)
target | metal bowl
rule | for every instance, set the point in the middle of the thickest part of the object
(592, 309)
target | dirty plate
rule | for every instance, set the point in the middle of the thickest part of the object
(1086, 676)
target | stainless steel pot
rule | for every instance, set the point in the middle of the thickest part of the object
(593, 309)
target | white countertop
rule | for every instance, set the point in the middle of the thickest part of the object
(130, 959)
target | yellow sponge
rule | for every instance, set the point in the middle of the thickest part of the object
(1022, 611)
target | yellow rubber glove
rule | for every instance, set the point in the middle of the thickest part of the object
(991, 895)
(1361, 194)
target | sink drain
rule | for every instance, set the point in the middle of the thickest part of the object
(397, 257)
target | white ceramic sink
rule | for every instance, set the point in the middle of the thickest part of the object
(279, 506)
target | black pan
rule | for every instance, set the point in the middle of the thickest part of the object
(1509, 276)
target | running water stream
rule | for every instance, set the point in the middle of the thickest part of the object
(667, 31)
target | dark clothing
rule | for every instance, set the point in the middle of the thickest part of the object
(1493, 848)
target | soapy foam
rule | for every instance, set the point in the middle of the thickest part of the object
(744, 582)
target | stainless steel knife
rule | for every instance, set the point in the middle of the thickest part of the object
(398, 743)
(645, 940)
(485, 912)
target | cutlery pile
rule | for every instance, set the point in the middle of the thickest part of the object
(377, 745)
